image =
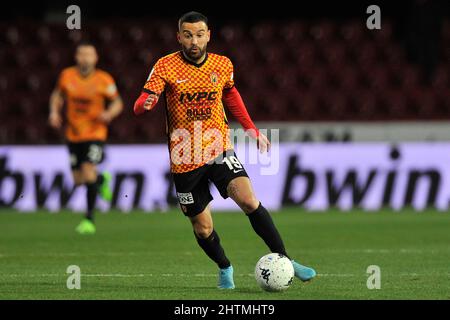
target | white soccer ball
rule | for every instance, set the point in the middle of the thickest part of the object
(274, 272)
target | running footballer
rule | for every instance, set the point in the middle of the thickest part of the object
(196, 86)
(92, 102)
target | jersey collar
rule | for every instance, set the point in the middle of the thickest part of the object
(198, 65)
(87, 76)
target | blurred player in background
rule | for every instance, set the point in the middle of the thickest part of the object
(196, 86)
(92, 102)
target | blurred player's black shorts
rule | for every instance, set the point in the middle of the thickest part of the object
(86, 151)
(193, 187)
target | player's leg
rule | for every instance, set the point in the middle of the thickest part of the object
(90, 154)
(241, 191)
(209, 241)
(232, 181)
(95, 183)
(77, 158)
(77, 177)
(89, 171)
(95, 155)
(194, 198)
(75, 163)
(87, 226)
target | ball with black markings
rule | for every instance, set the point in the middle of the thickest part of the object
(274, 272)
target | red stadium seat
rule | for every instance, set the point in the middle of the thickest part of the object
(294, 32)
(262, 32)
(364, 103)
(395, 103)
(335, 53)
(323, 31)
(353, 32)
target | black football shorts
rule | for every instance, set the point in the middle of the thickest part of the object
(193, 187)
(86, 151)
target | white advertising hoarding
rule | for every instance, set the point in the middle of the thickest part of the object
(311, 176)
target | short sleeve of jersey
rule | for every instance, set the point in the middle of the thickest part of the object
(110, 90)
(156, 81)
(229, 83)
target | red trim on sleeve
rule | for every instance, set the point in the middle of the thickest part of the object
(139, 104)
(233, 101)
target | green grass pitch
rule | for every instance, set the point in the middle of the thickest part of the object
(155, 256)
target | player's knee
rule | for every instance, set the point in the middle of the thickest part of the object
(203, 230)
(89, 173)
(249, 204)
(90, 178)
(77, 178)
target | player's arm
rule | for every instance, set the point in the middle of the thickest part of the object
(114, 108)
(56, 104)
(153, 88)
(145, 102)
(115, 104)
(234, 103)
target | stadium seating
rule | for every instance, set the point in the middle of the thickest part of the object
(293, 70)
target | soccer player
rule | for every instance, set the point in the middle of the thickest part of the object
(92, 102)
(196, 85)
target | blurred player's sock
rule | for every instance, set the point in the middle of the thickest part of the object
(103, 183)
(86, 227)
(302, 272)
(264, 227)
(91, 196)
(100, 186)
(226, 278)
(213, 249)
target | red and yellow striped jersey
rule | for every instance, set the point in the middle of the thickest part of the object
(196, 122)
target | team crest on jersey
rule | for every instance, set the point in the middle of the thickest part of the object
(214, 78)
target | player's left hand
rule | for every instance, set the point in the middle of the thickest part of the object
(263, 143)
(105, 117)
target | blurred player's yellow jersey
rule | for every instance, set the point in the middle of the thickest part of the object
(86, 98)
(196, 122)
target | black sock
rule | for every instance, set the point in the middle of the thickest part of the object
(99, 180)
(264, 227)
(213, 249)
(91, 195)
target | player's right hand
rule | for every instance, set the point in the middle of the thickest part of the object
(150, 102)
(55, 120)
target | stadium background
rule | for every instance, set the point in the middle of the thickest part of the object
(316, 73)
(315, 63)
(364, 125)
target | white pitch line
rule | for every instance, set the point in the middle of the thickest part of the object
(142, 275)
(118, 275)
(337, 275)
(144, 253)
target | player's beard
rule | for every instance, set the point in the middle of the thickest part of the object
(85, 69)
(196, 55)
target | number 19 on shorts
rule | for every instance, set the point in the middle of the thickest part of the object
(233, 164)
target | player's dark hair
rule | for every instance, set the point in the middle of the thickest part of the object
(192, 17)
(85, 43)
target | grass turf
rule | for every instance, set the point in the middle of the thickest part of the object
(155, 256)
